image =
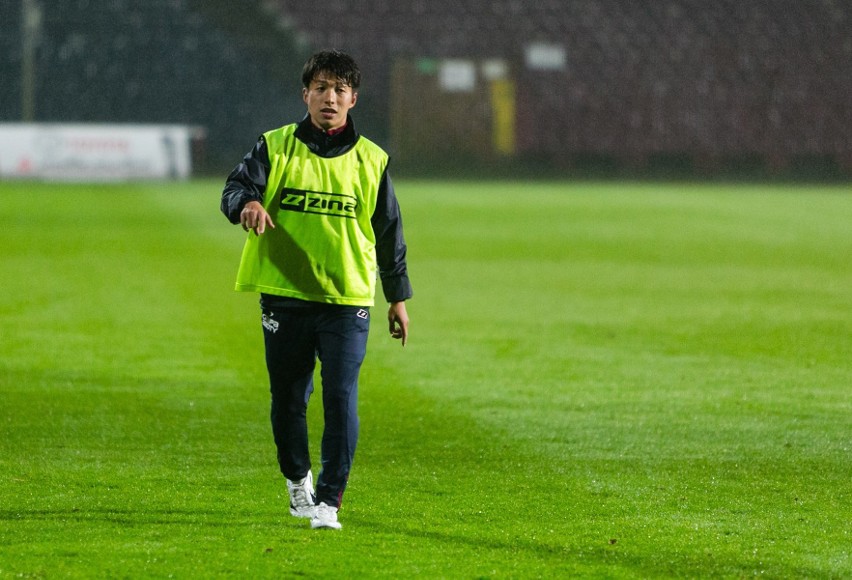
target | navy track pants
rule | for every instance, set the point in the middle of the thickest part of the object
(295, 338)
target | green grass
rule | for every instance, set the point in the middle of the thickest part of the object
(603, 380)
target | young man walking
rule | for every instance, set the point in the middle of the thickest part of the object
(323, 221)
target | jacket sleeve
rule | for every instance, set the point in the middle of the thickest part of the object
(247, 182)
(390, 244)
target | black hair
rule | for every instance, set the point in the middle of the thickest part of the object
(333, 62)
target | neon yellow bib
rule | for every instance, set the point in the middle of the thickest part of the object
(322, 248)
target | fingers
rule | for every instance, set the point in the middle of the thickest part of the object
(398, 322)
(263, 221)
(254, 217)
(268, 221)
(247, 218)
(403, 333)
(400, 332)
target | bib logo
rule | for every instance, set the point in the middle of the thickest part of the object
(304, 201)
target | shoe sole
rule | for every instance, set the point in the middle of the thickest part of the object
(326, 526)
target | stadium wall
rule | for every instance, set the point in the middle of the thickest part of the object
(602, 86)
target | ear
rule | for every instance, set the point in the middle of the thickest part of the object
(305, 95)
(354, 99)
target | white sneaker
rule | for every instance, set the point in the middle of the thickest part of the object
(302, 497)
(326, 517)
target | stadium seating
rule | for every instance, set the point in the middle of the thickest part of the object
(712, 81)
(148, 62)
(687, 79)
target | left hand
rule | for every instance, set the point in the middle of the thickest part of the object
(398, 321)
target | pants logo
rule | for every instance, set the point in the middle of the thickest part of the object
(362, 314)
(269, 324)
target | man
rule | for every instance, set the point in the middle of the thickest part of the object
(323, 220)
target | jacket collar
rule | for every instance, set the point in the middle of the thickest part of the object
(325, 145)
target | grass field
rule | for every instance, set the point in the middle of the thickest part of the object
(603, 380)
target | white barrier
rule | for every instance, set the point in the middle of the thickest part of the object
(82, 152)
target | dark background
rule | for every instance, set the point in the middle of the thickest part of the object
(673, 87)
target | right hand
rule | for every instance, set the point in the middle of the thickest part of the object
(254, 217)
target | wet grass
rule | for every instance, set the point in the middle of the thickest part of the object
(603, 380)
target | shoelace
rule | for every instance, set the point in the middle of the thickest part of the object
(301, 496)
(325, 512)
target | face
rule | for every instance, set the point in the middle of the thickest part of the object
(328, 100)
